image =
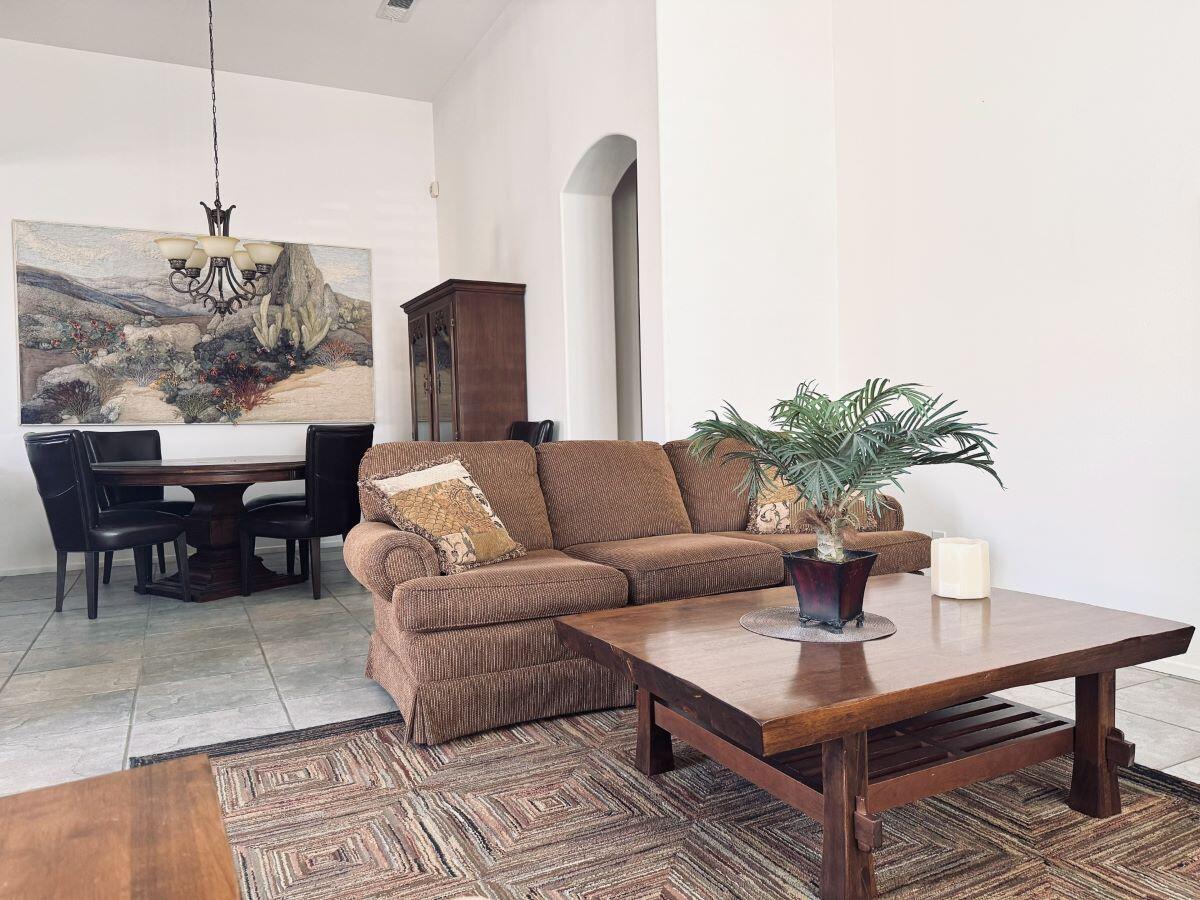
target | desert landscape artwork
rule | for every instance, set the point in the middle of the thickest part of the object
(104, 339)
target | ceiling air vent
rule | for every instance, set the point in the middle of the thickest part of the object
(396, 10)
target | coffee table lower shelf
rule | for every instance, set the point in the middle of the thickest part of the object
(875, 771)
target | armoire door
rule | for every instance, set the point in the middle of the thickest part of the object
(422, 378)
(441, 329)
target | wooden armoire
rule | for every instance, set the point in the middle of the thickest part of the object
(466, 342)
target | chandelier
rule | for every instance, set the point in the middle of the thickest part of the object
(220, 286)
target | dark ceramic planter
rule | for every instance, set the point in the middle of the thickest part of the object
(830, 594)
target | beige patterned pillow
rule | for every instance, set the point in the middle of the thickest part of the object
(441, 502)
(771, 511)
(779, 509)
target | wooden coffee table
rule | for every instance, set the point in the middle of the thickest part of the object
(152, 832)
(844, 732)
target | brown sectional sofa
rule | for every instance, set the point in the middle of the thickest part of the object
(605, 523)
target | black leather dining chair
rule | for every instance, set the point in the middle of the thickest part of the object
(62, 469)
(294, 497)
(532, 433)
(330, 504)
(119, 446)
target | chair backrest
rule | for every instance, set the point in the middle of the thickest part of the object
(332, 454)
(532, 433)
(120, 446)
(61, 468)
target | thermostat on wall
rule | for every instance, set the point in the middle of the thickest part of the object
(396, 10)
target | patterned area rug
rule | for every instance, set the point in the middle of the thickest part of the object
(555, 809)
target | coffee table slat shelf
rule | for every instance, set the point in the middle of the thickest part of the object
(907, 761)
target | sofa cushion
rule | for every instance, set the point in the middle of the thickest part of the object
(441, 502)
(609, 491)
(671, 566)
(506, 471)
(786, 543)
(891, 514)
(711, 490)
(899, 551)
(541, 583)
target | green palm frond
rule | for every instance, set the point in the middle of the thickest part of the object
(834, 449)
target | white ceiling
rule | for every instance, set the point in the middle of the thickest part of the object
(339, 43)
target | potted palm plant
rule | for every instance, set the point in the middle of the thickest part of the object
(839, 454)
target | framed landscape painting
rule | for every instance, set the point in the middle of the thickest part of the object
(104, 339)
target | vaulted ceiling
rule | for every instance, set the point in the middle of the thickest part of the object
(339, 43)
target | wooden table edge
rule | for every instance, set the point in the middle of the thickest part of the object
(185, 474)
(151, 831)
(771, 736)
(734, 724)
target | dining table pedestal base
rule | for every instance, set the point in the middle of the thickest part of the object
(213, 579)
(215, 568)
(213, 525)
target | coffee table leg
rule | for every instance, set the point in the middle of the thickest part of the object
(1099, 747)
(847, 866)
(654, 754)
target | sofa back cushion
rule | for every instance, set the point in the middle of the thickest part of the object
(711, 490)
(609, 491)
(506, 471)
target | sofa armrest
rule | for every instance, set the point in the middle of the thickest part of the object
(381, 557)
(891, 514)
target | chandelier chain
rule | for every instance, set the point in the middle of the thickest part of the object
(233, 271)
(212, 75)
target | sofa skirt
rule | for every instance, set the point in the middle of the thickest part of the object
(438, 711)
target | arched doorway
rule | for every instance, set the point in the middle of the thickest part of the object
(600, 287)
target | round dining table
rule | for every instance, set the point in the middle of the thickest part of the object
(215, 568)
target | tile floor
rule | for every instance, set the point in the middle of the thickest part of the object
(78, 698)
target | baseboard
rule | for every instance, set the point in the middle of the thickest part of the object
(125, 557)
(1186, 666)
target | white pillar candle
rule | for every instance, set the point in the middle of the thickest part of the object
(960, 568)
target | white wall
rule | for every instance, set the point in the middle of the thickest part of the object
(1019, 209)
(550, 79)
(103, 140)
(746, 136)
(742, 108)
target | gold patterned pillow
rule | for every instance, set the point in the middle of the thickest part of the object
(779, 509)
(771, 511)
(441, 502)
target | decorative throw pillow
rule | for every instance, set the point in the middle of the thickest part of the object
(441, 502)
(779, 509)
(771, 511)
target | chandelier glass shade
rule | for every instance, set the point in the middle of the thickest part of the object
(215, 269)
